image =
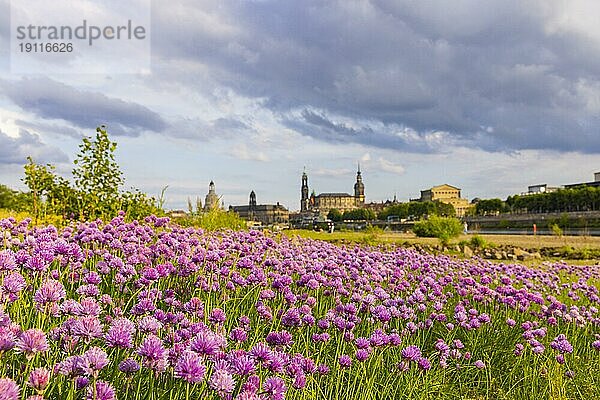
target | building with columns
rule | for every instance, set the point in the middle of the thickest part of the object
(324, 202)
(447, 194)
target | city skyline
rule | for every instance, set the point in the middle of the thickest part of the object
(491, 98)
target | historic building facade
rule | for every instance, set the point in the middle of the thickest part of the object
(324, 202)
(211, 201)
(447, 194)
(266, 214)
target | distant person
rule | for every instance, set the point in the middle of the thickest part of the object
(465, 228)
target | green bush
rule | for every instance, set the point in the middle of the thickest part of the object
(478, 242)
(443, 228)
(556, 230)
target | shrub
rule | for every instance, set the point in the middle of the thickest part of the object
(556, 230)
(443, 228)
(478, 242)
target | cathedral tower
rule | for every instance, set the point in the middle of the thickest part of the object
(304, 193)
(359, 189)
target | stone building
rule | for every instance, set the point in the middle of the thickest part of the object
(266, 214)
(594, 183)
(324, 202)
(211, 201)
(380, 206)
(447, 194)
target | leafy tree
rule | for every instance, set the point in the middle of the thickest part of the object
(96, 191)
(13, 200)
(334, 214)
(359, 214)
(490, 207)
(49, 192)
(444, 209)
(400, 210)
(98, 176)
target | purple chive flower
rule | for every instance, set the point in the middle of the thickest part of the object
(9, 390)
(81, 382)
(120, 334)
(129, 366)
(261, 352)
(596, 344)
(246, 395)
(154, 353)
(88, 327)
(299, 380)
(403, 366)
(362, 354)
(252, 384)
(274, 387)
(238, 335)
(222, 382)
(345, 361)
(411, 353)
(51, 291)
(479, 364)
(282, 338)
(104, 391)
(362, 343)
(71, 366)
(243, 365)
(217, 316)
(7, 260)
(561, 344)
(149, 324)
(424, 364)
(39, 378)
(322, 369)
(190, 367)
(32, 341)
(206, 343)
(519, 348)
(12, 284)
(570, 374)
(7, 339)
(94, 360)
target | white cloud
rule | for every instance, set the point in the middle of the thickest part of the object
(389, 166)
(241, 151)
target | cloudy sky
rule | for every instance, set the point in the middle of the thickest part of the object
(489, 96)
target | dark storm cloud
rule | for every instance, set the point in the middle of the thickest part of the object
(53, 100)
(492, 74)
(15, 150)
(321, 126)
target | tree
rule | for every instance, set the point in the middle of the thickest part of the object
(334, 215)
(13, 200)
(489, 207)
(359, 214)
(98, 176)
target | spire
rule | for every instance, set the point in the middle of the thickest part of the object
(358, 167)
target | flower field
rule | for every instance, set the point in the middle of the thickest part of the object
(149, 310)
